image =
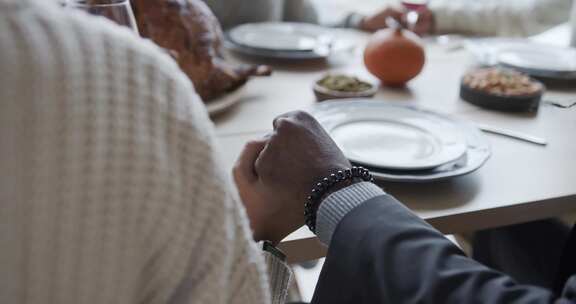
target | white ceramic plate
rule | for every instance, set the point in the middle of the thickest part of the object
(381, 135)
(539, 60)
(225, 102)
(318, 54)
(539, 57)
(281, 36)
(477, 153)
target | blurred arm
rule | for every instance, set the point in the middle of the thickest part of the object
(501, 18)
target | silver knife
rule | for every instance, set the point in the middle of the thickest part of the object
(513, 134)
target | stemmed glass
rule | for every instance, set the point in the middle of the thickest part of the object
(118, 11)
(414, 8)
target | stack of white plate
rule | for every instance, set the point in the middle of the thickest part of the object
(542, 61)
(403, 143)
(547, 62)
(281, 40)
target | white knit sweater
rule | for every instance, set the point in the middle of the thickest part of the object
(499, 17)
(110, 188)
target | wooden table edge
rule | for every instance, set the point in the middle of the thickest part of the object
(311, 248)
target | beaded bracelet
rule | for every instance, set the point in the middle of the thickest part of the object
(327, 183)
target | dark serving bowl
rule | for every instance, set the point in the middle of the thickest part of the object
(511, 103)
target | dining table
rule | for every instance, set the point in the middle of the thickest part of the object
(521, 181)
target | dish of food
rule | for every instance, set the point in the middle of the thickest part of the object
(501, 89)
(344, 83)
(192, 35)
(337, 86)
(501, 82)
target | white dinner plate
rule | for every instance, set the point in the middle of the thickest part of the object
(380, 135)
(540, 60)
(539, 57)
(318, 54)
(478, 153)
(478, 149)
(281, 36)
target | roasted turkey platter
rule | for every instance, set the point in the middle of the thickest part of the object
(190, 32)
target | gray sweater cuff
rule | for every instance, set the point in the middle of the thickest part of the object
(338, 204)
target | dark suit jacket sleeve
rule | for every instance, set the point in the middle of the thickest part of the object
(383, 253)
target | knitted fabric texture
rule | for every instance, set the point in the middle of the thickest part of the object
(111, 191)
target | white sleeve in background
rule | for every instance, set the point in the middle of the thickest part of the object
(498, 17)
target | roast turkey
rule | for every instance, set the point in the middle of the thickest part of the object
(190, 32)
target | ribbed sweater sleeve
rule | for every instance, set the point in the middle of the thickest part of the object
(338, 204)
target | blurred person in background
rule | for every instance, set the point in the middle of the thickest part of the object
(472, 17)
(235, 12)
(484, 17)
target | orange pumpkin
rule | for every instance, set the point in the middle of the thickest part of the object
(394, 56)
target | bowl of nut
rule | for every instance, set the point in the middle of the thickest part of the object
(501, 89)
(333, 86)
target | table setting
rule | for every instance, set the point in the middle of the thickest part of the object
(499, 177)
(475, 135)
(403, 143)
(287, 41)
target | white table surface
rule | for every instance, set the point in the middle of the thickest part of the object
(521, 182)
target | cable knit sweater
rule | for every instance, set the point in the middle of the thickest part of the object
(111, 191)
(499, 17)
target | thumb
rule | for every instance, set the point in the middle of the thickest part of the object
(244, 170)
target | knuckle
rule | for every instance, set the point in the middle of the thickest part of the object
(260, 166)
(293, 119)
(284, 123)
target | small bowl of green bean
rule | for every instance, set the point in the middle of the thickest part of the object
(338, 86)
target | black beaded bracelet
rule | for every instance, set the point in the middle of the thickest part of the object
(327, 183)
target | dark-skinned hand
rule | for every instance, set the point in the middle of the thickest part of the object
(275, 175)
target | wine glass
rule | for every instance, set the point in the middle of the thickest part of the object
(118, 11)
(414, 8)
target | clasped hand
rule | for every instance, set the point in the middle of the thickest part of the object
(275, 174)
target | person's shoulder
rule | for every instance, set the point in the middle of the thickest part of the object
(49, 44)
